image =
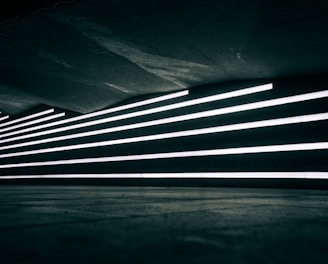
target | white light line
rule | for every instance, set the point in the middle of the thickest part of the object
(181, 154)
(185, 133)
(102, 112)
(98, 132)
(207, 99)
(183, 175)
(32, 122)
(216, 112)
(27, 117)
(4, 117)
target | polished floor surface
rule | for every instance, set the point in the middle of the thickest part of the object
(92, 224)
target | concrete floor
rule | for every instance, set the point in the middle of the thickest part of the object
(89, 224)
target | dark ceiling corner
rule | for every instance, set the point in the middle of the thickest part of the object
(20, 8)
(84, 56)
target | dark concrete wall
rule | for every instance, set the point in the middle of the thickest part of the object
(294, 161)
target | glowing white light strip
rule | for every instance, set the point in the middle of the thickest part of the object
(193, 132)
(185, 175)
(145, 112)
(32, 122)
(133, 105)
(181, 154)
(27, 117)
(4, 118)
(102, 112)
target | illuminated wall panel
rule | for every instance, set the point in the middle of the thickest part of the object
(249, 132)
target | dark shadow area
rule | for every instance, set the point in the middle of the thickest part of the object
(186, 182)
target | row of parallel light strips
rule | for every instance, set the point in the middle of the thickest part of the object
(171, 136)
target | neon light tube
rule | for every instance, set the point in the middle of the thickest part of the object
(4, 118)
(27, 117)
(32, 122)
(184, 175)
(102, 112)
(148, 111)
(181, 154)
(193, 132)
(216, 112)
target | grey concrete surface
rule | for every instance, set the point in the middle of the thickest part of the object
(85, 224)
(89, 55)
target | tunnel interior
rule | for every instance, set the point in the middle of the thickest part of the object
(163, 131)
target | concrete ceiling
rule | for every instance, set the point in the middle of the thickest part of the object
(90, 54)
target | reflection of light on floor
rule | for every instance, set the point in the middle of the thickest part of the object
(180, 154)
(193, 132)
(193, 175)
(27, 117)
